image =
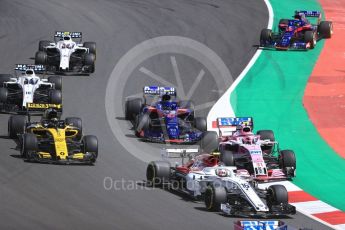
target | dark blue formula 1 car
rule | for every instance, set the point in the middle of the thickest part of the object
(297, 33)
(165, 119)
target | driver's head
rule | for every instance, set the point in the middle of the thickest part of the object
(298, 16)
(166, 97)
(67, 38)
(246, 129)
(51, 114)
(29, 72)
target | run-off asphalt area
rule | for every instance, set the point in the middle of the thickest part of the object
(38, 196)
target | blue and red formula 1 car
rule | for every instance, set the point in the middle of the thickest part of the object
(166, 119)
(297, 33)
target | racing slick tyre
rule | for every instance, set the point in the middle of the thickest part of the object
(142, 123)
(91, 46)
(266, 135)
(227, 157)
(200, 124)
(265, 37)
(209, 141)
(41, 58)
(16, 125)
(133, 108)
(55, 96)
(276, 195)
(310, 37)
(43, 44)
(76, 122)
(89, 60)
(3, 95)
(214, 197)
(90, 145)
(287, 159)
(4, 78)
(158, 173)
(29, 144)
(325, 29)
(56, 81)
(283, 23)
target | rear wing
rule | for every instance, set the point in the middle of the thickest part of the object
(43, 106)
(60, 34)
(262, 225)
(36, 68)
(159, 90)
(37, 109)
(309, 13)
(180, 153)
(228, 125)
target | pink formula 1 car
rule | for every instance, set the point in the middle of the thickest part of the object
(258, 153)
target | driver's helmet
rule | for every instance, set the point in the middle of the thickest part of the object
(51, 114)
(29, 72)
(299, 16)
(166, 98)
(222, 172)
(243, 130)
(66, 38)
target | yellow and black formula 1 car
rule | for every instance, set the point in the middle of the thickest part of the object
(53, 140)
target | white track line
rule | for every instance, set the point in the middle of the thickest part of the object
(223, 108)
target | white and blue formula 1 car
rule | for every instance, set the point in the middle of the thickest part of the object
(28, 89)
(67, 53)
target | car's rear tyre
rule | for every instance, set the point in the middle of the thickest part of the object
(214, 197)
(200, 124)
(3, 95)
(41, 58)
(91, 46)
(133, 108)
(89, 60)
(276, 195)
(325, 29)
(43, 44)
(227, 157)
(90, 144)
(287, 158)
(55, 96)
(56, 81)
(158, 173)
(265, 37)
(266, 135)
(16, 125)
(310, 37)
(30, 144)
(209, 141)
(5, 78)
(77, 123)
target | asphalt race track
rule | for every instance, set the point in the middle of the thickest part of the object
(43, 196)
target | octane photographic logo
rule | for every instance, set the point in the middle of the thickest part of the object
(196, 71)
(121, 184)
